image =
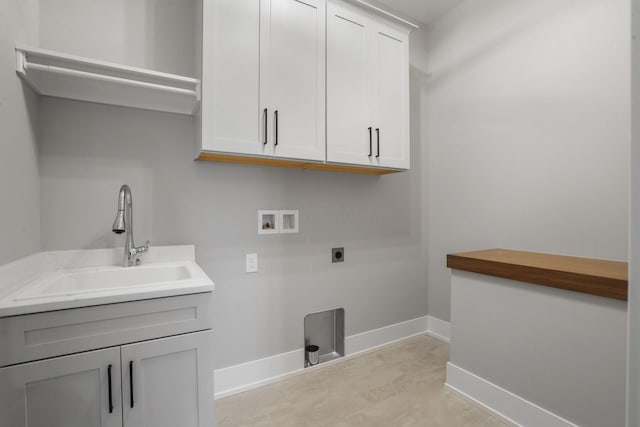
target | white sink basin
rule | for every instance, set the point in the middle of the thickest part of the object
(70, 279)
(102, 279)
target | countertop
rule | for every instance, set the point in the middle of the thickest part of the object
(599, 277)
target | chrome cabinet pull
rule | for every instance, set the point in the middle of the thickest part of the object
(370, 141)
(378, 135)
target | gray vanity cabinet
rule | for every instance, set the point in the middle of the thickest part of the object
(124, 366)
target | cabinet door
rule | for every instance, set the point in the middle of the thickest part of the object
(69, 391)
(169, 382)
(297, 78)
(231, 117)
(391, 50)
(350, 87)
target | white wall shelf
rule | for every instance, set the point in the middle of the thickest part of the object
(67, 76)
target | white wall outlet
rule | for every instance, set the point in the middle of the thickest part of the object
(268, 222)
(252, 263)
(289, 221)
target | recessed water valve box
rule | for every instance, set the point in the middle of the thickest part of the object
(289, 221)
(268, 222)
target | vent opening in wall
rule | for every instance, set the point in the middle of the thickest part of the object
(324, 330)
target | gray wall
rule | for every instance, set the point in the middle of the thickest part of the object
(561, 350)
(87, 151)
(527, 131)
(633, 360)
(156, 34)
(19, 183)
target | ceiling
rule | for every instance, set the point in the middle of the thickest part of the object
(423, 11)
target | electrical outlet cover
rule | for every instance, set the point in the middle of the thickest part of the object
(252, 263)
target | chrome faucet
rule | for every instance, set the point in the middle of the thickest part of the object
(124, 223)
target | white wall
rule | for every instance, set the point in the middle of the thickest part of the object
(527, 131)
(88, 151)
(19, 183)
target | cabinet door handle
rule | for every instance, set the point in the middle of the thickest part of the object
(110, 392)
(266, 130)
(276, 120)
(370, 141)
(131, 383)
(378, 135)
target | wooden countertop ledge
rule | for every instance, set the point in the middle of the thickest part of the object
(589, 276)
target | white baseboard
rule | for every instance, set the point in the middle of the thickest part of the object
(256, 373)
(439, 329)
(500, 401)
(370, 340)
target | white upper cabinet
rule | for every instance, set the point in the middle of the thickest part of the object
(391, 53)
(264, 75)
(367, 89)
(297, 78)
(309, 83)
(350, 87)
(230, 115)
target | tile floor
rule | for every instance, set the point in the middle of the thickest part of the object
(400, 385)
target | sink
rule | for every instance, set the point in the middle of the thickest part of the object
(104, 279)
(60, 280)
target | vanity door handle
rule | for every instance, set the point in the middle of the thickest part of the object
(378, 135)
(131, 383)
(370, 141)
(110, 392)
(276, 124)
(266, 130)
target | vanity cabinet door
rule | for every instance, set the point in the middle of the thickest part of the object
(169, 382)
(81, 390)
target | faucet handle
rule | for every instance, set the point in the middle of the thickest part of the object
(139, 250)
(143, 249)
